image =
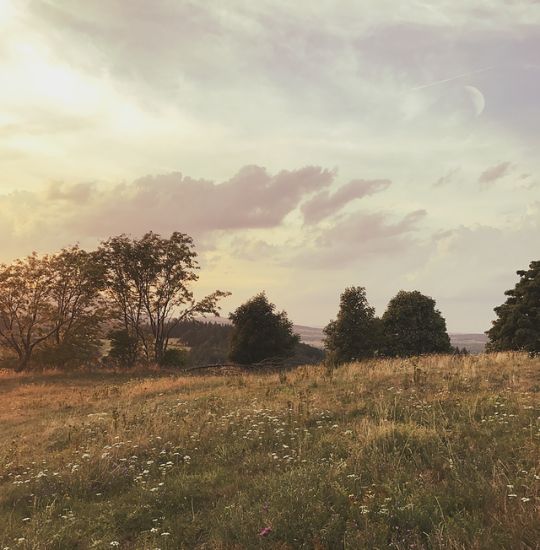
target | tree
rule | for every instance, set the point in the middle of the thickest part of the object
(517, 326)
(79, 310)
(50, 303)
(123, 349)
(353, 335)
(148, 280)
(412, 326)
(259, 332)
(27, 317)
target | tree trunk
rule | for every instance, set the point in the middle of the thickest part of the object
(24, 359)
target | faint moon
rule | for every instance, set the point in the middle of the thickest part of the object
(477, 99)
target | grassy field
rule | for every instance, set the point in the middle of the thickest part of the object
(439, 452)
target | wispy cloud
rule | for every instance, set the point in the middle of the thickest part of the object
(494, 173)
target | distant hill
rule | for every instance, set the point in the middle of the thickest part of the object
(473, 342)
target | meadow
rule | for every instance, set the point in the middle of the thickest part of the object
(433, 452)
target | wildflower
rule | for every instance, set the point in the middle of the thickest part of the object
(265, 531)
(115, 543)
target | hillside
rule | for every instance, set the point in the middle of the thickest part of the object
(439, 452)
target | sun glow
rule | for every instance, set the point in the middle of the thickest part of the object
(7, 12)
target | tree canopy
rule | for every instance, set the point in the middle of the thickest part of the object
(58, 308)
(353, 335)
(413, 326)
(260, 332)
(517, 326)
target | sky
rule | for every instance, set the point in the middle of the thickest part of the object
(306, 146)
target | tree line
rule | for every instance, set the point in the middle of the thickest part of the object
(58, 309)
(411, 325)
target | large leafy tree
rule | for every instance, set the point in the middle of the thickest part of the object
(27, 316)
(353, 335)
(517, 326)
(79, 307)
(51, 304)
(149, 281)
(260, 332)
(413, 326)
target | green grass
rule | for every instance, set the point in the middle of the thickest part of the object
(437, 452)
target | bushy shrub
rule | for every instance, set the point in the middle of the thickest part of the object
(174, 357)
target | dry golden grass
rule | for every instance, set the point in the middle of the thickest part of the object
(434, 452)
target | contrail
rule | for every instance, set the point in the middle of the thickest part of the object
(463, 75)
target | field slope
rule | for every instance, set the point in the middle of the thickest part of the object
(429, 453)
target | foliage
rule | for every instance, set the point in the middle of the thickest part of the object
(209, 343)
(27, 316)
(78, 279)
(354, 334)
(51, 304)
(412, 326)
(517, 326)
(260, 332)
(77, 349)
(123, 347)
(174, 357)
(149, 280)
(373, 457)
(305, 354)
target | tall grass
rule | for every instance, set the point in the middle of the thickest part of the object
(435, 452)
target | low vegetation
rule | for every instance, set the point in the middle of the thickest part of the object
(437, 452)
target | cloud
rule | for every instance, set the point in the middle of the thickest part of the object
(361, 236)
(325, 204)
(448, 178)
(77, 193)
(62, 213)
(471, 266)
(494, 173)
(252, 198)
